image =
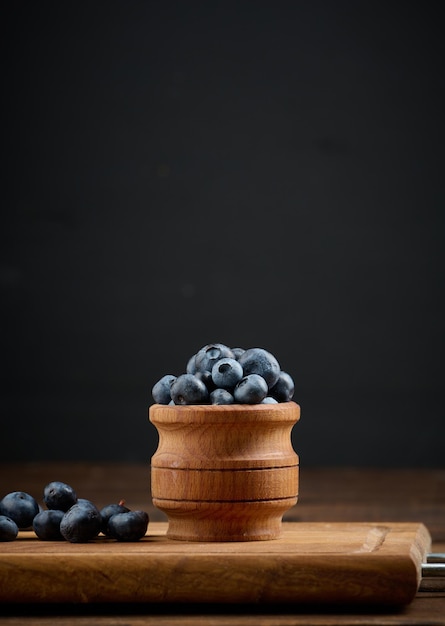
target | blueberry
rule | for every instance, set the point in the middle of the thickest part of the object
(80, 523)
(46, 525)
(284, 388)
(262, 362)
(191, 365)
(8, 528)
(161, 390)
(188, 389)
(221, 396)
(207, 356)
(59, 496)
(87, 504)
(130, 526)
(207, 379)
(226, 373)
(237, 352)
(20, 507)
(251, 389)
(108, 511)
(217, 367)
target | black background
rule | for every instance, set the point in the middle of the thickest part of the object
(252, 173)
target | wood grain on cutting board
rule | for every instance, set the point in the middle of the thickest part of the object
(352, 563)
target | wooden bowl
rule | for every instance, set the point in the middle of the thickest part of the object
(224, 472)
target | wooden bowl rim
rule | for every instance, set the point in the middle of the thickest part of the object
(224, 413)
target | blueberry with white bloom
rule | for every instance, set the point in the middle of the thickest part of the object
(261, 362)
(217, 367)
(191, 365)
(284, 388)
(226, 373)
(251, 389)
(237, 352)
(188, 389)
(221, 396)
(161, 390)
(207, 356)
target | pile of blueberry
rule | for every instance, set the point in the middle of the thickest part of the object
(217, 374)
(68, 517)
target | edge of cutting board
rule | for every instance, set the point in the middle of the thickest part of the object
(312, 563)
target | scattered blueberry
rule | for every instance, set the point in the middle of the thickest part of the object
(59, 496)
(87, 504)
(8, 528)
(161, 390)
(46, 525)
(108, 511)
(262, 362)
(251, 389)
(20, 507)
(80, 523)
(221, 396)
(130, 526)
(187, 389)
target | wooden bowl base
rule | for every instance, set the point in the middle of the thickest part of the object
(225, 521)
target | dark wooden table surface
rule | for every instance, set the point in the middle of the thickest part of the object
(326, 494)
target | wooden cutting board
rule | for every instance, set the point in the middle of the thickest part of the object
(355, 563)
